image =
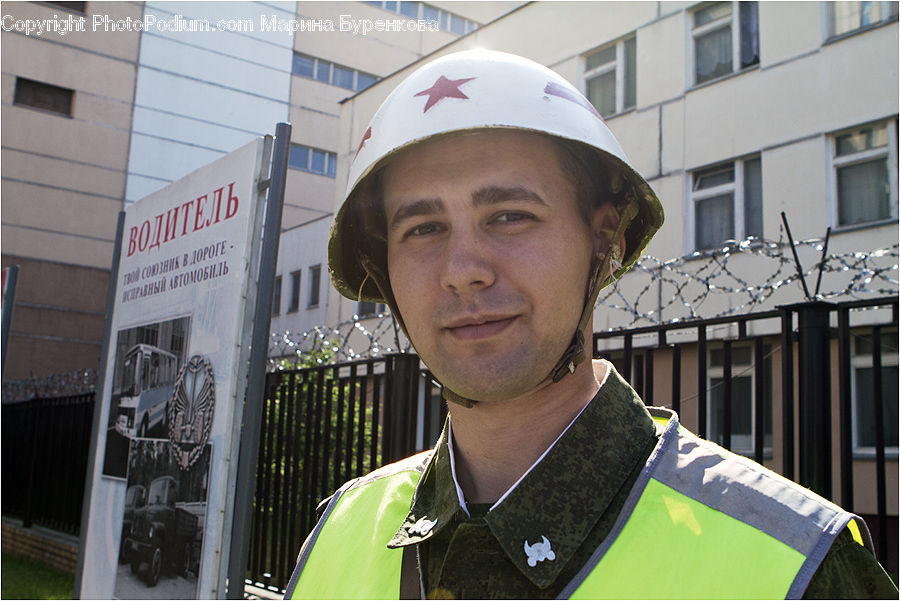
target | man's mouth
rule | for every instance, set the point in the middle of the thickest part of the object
(478, 328)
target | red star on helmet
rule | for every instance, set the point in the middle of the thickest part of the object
(444, 88)
(365, 137)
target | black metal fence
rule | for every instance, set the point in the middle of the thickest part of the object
(45, 456)
(737, 401)
(323, 426)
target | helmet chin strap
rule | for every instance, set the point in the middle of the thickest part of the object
(603, 273)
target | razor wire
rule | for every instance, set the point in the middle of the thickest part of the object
(70, 383)
(654, 292)
(686, 284)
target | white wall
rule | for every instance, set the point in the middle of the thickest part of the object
(200, 95)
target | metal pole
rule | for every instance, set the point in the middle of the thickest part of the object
(880, 485)
(845, 411)
(256, 380)
(701, 381)
(725, 420)
(787, 391)
(815, 397)
(9, 294)
(98, 401)
(759, 419)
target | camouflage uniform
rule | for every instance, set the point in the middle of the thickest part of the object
(571, 498)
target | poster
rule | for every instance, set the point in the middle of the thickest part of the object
(176, 370)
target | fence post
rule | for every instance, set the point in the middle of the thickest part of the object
(403, 406)
(814, 359)
(787, 391)
(37, 404)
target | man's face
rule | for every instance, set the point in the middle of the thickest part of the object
(488, 258)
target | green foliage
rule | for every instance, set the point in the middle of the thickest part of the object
(304, 408)
(322, 354)
(23, 578)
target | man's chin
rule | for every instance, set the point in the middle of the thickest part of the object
(478, 386)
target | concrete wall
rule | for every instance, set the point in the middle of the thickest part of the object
(63, 181)
(201, 94)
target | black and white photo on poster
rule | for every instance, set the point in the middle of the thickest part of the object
(148, 359)
(163, 522)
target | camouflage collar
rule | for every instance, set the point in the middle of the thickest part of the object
(545, 517)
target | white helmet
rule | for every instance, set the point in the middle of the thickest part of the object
(471, 90)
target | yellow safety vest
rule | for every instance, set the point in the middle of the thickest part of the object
(700, 522)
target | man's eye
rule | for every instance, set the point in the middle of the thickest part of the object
(512, 217)
(422, 230)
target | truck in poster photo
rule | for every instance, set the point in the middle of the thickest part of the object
(162, 530)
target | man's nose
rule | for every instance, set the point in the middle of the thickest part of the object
(467, 265)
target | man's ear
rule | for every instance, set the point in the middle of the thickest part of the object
(604, 223)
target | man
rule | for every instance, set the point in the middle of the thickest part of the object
(487, 205)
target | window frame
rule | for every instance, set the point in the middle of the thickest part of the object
(444, 19)
(737, 187)
(36, 87)
(377, 309)
(315, 285)
(834, 163)
(329, 162)
(296, 281)
(734, 22)
(830, 16)
(619, 65)
(332, 70)
(746, 369)
(860, 360)
(276, 296)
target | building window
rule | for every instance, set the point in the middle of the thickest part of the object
(864, 162)
(331, 73)
(863, 391)
(276, 296)
(446, 21)
(726, 39)
(727, 203)
(743, 398)
(43, 96)
(315, 275)
(367, 309)
(306, 158)
(846, 17)
(295, 292)
(610, 77)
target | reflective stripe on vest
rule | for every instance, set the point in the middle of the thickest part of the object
(346, 556)
(699, 522)
(769, 534)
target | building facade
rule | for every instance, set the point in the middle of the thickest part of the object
(99, 111)
(66, 129)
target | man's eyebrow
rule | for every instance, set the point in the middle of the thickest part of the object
(495, 194)
(485, 196)
(423, 206)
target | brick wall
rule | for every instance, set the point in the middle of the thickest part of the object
(52, 548)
